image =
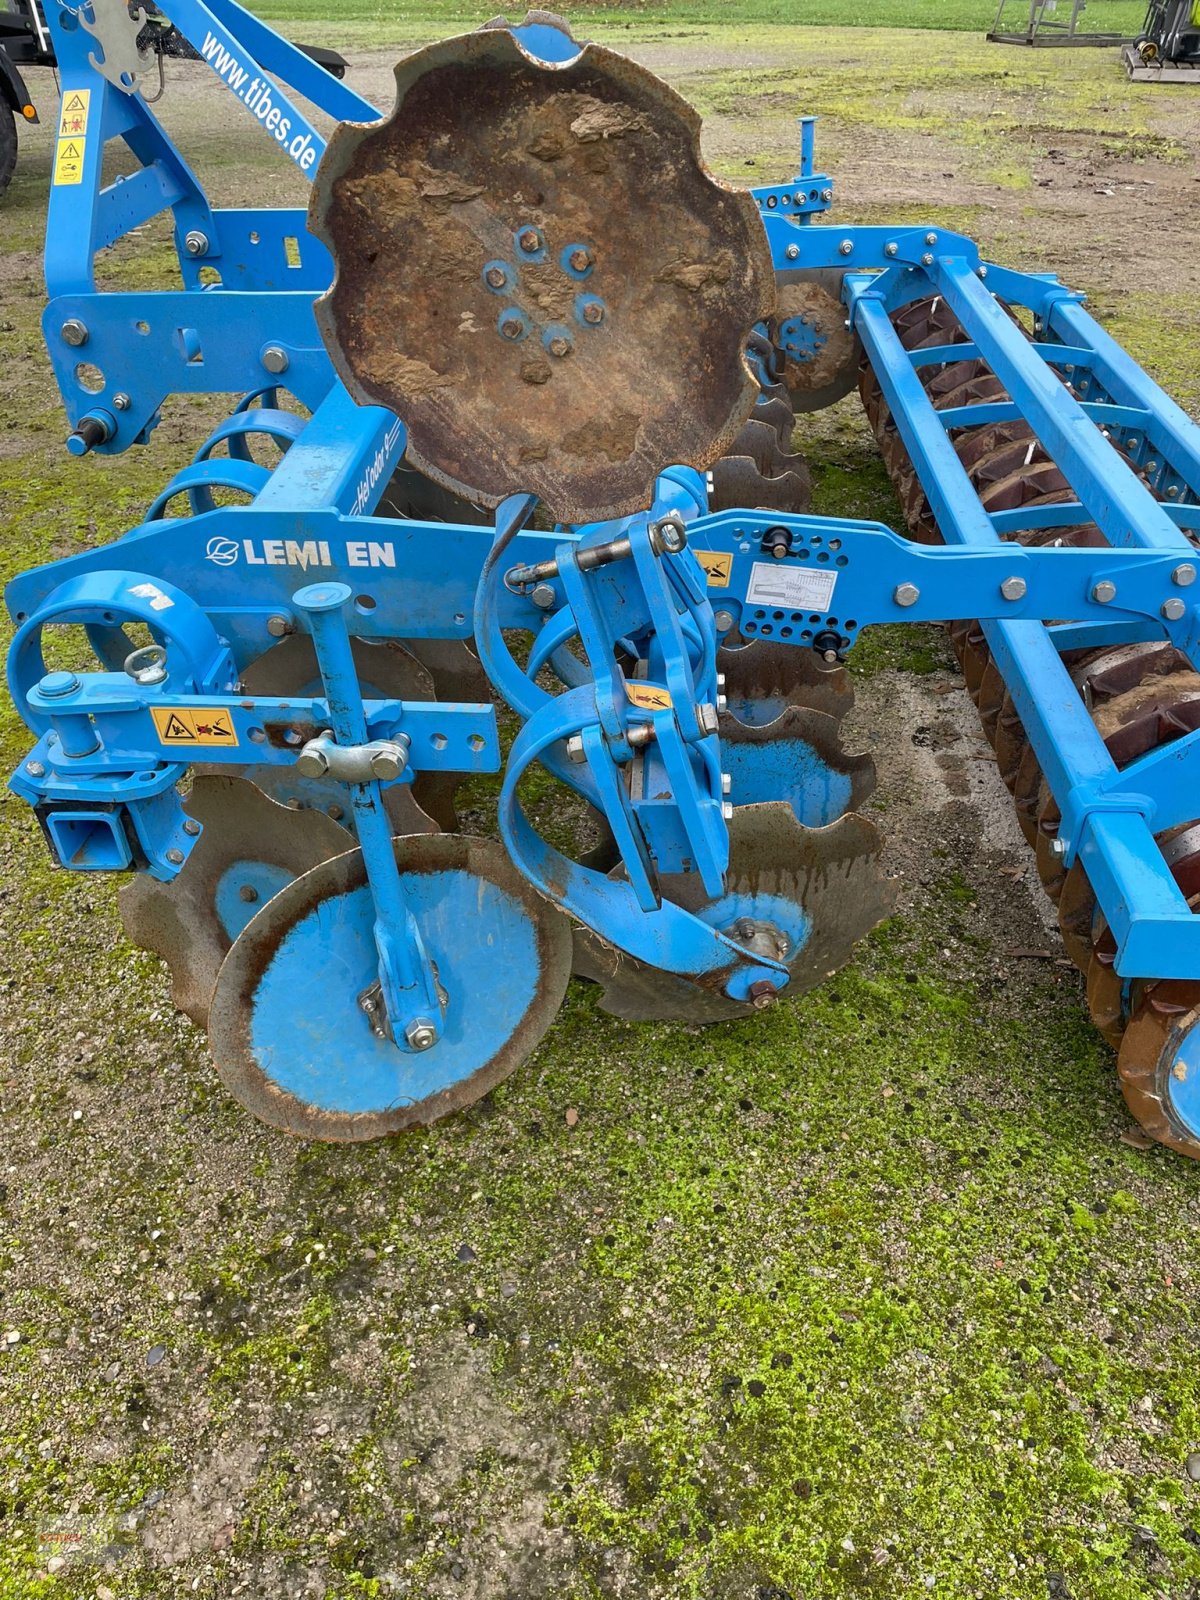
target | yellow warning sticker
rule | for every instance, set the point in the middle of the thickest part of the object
(202, 725)
(73, 119)
(68, 161)
(648, 696)
(717, 567)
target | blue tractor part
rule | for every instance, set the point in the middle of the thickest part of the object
(510, 491)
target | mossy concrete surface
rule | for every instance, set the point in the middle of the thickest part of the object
(869, 1297)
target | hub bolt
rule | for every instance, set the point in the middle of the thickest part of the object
(421, 1034)
(74, 332)
(496, 277)
(1173, 610)
(1104, 592)
(580, 259)
(763, 994)
(906, 594)
(529, 240)
(1184, 574)
(593, 312)
(196, 243)
(1013, 588)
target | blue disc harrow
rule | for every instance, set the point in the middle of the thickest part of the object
(510, 489)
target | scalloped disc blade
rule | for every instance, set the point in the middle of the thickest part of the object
(249, 849)
(819, 889)
(537, 273)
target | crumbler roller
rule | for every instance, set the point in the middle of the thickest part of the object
(515, 455)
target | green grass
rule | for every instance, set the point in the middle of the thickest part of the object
(437, 16)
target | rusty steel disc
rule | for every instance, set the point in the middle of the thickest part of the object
(832, 874)
(536, 272)
(249, 849)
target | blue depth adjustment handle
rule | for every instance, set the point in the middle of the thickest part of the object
(408, 987)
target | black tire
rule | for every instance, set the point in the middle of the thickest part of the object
(8, 144)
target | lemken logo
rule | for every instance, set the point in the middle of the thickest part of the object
(223, 551)
(302, 553)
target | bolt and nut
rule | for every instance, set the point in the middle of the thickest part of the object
(121, 402)
(196, 243)
(593, 313)
(727, 783)
(846, 247)
(580, 259)
(278, 626)
(1058, 848)
(707, 717)
(792, 252)
(575, 751)
(74, 332)
(495, 277)
(529, 240)
(35, 769)
(891, 249)
(386, 765)
(927, 259)
(558, 346)
(763, 994)
(421, 1034)
(906, 594)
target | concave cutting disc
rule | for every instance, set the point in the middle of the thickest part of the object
(290, 1038)
(823, 888)
(536, 272)
(249, 849)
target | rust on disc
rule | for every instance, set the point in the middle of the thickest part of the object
(536, 272)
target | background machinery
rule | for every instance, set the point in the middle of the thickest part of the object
(509, 489)
(1168, 48)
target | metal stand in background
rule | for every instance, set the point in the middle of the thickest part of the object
(1044, 25)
